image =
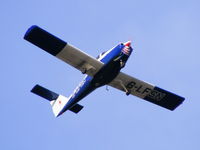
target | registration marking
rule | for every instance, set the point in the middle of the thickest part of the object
(145, 92)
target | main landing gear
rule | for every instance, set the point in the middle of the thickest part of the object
(125, 89)
(84, 71)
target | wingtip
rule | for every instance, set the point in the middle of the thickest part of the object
(44, 40)
(26, 35)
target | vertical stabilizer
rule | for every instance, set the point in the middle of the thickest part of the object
(58, 102)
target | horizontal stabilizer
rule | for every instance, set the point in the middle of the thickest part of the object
(45, 93)
(76, 108)
(58, 102)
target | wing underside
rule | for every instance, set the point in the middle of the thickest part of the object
(62, 50)
(146, 91)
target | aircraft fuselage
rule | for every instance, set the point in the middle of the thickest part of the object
(104, 70)
(114, 60)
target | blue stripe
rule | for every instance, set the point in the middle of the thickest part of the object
(44, 40)
(80, 92)
(112, 54)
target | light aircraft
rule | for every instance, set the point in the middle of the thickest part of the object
(100, 71)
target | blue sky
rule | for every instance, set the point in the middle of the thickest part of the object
(165, 36)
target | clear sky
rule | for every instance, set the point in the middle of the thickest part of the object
(166, 41)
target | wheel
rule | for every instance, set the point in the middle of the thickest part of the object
(97, 84)
(122, 64)
(84, 71)
(127, 93)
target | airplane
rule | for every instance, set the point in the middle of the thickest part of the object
(102, 70)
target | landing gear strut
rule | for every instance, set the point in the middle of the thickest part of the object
(128, 93)
(122, 64)
(84, 71)
(125, 89)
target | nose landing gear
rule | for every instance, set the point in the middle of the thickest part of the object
(84, 71)
(122, 64)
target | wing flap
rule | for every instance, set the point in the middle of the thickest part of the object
(135, 86)
(147, 91)
(79, 60)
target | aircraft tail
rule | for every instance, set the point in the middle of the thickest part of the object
(57, 101)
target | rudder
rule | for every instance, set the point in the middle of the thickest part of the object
(57, 101)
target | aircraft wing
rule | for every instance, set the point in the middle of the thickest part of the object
(62, 50)
(146, 91)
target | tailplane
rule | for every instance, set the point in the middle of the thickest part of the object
(57, 101)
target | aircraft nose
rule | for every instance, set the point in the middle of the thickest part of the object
(128, 43)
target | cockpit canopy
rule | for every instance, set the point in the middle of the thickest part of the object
(101, 54)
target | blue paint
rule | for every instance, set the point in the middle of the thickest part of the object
(165, 98)
(112, 54)
(44, 40)
(53, 45)
(80, 92)
(106, 74)
(45, 93)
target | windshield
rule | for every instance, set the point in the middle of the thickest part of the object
(100, 55)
